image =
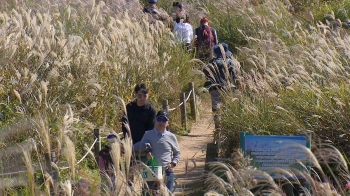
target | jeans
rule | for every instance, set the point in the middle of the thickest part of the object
(170, 178)
(169, 182)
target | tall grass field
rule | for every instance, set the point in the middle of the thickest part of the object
(69, 67)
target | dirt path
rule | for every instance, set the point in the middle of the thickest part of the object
(189, 172)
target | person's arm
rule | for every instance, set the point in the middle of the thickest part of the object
(176, 151)
(195, 40)
(215, 36)
(141, 145)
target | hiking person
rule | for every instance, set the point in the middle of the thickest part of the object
(140, 114)
(153, 187)
(156, 13)
(105, 163)
(165, 147)
(220, 74)
(205, 40)
(82, 188)
(183, 31)
(228, 53)
(178, 11)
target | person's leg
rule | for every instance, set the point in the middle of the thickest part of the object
(169, 180)
(146, 189)
(215, 103)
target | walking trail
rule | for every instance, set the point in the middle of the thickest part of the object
(189, 171)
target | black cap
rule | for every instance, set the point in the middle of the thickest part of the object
(163, 113)
(177, 4)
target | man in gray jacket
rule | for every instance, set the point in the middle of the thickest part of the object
(165, 147)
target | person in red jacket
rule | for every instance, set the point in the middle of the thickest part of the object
(205, 40)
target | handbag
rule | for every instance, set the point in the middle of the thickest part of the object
(152, 172)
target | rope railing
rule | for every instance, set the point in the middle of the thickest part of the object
(89, 150)
(50, 161)
(63, 167)
(171, 109)
(16, 172)
(191, 97)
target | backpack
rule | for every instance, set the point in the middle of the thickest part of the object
(216, 74)
(107, 159)
(153, 12)
(205, 37)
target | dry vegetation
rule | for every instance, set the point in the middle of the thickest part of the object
(65, 66)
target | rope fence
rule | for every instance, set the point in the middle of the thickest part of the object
(189, 94)
(63, 167)
(191, 97)
(50, 159)
(87, 153)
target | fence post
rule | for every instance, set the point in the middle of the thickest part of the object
(97, 147)
(193, 101)
(48, 163)
(183, 110)
(165, 105)
(48, 167)
(54, 172)
(211, 155)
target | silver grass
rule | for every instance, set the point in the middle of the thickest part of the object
(48, 183)
(30, 171)
(67, 187)
(43, 130)
(70, 154)
(18, 96)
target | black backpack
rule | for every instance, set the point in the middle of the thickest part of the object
(216, 75)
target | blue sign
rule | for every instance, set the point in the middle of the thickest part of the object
(276, 151)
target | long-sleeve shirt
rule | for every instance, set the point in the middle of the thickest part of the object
(140, 119)
(165, 147)
(183, 32)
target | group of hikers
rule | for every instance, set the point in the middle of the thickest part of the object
(153, 143)
(220, 72)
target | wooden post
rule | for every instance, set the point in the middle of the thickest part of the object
(165, 105)
(48, 167)
(97, 147)
(193, 101)
(50, 170)
(54, 172)
(183, 110)
(211, 155)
